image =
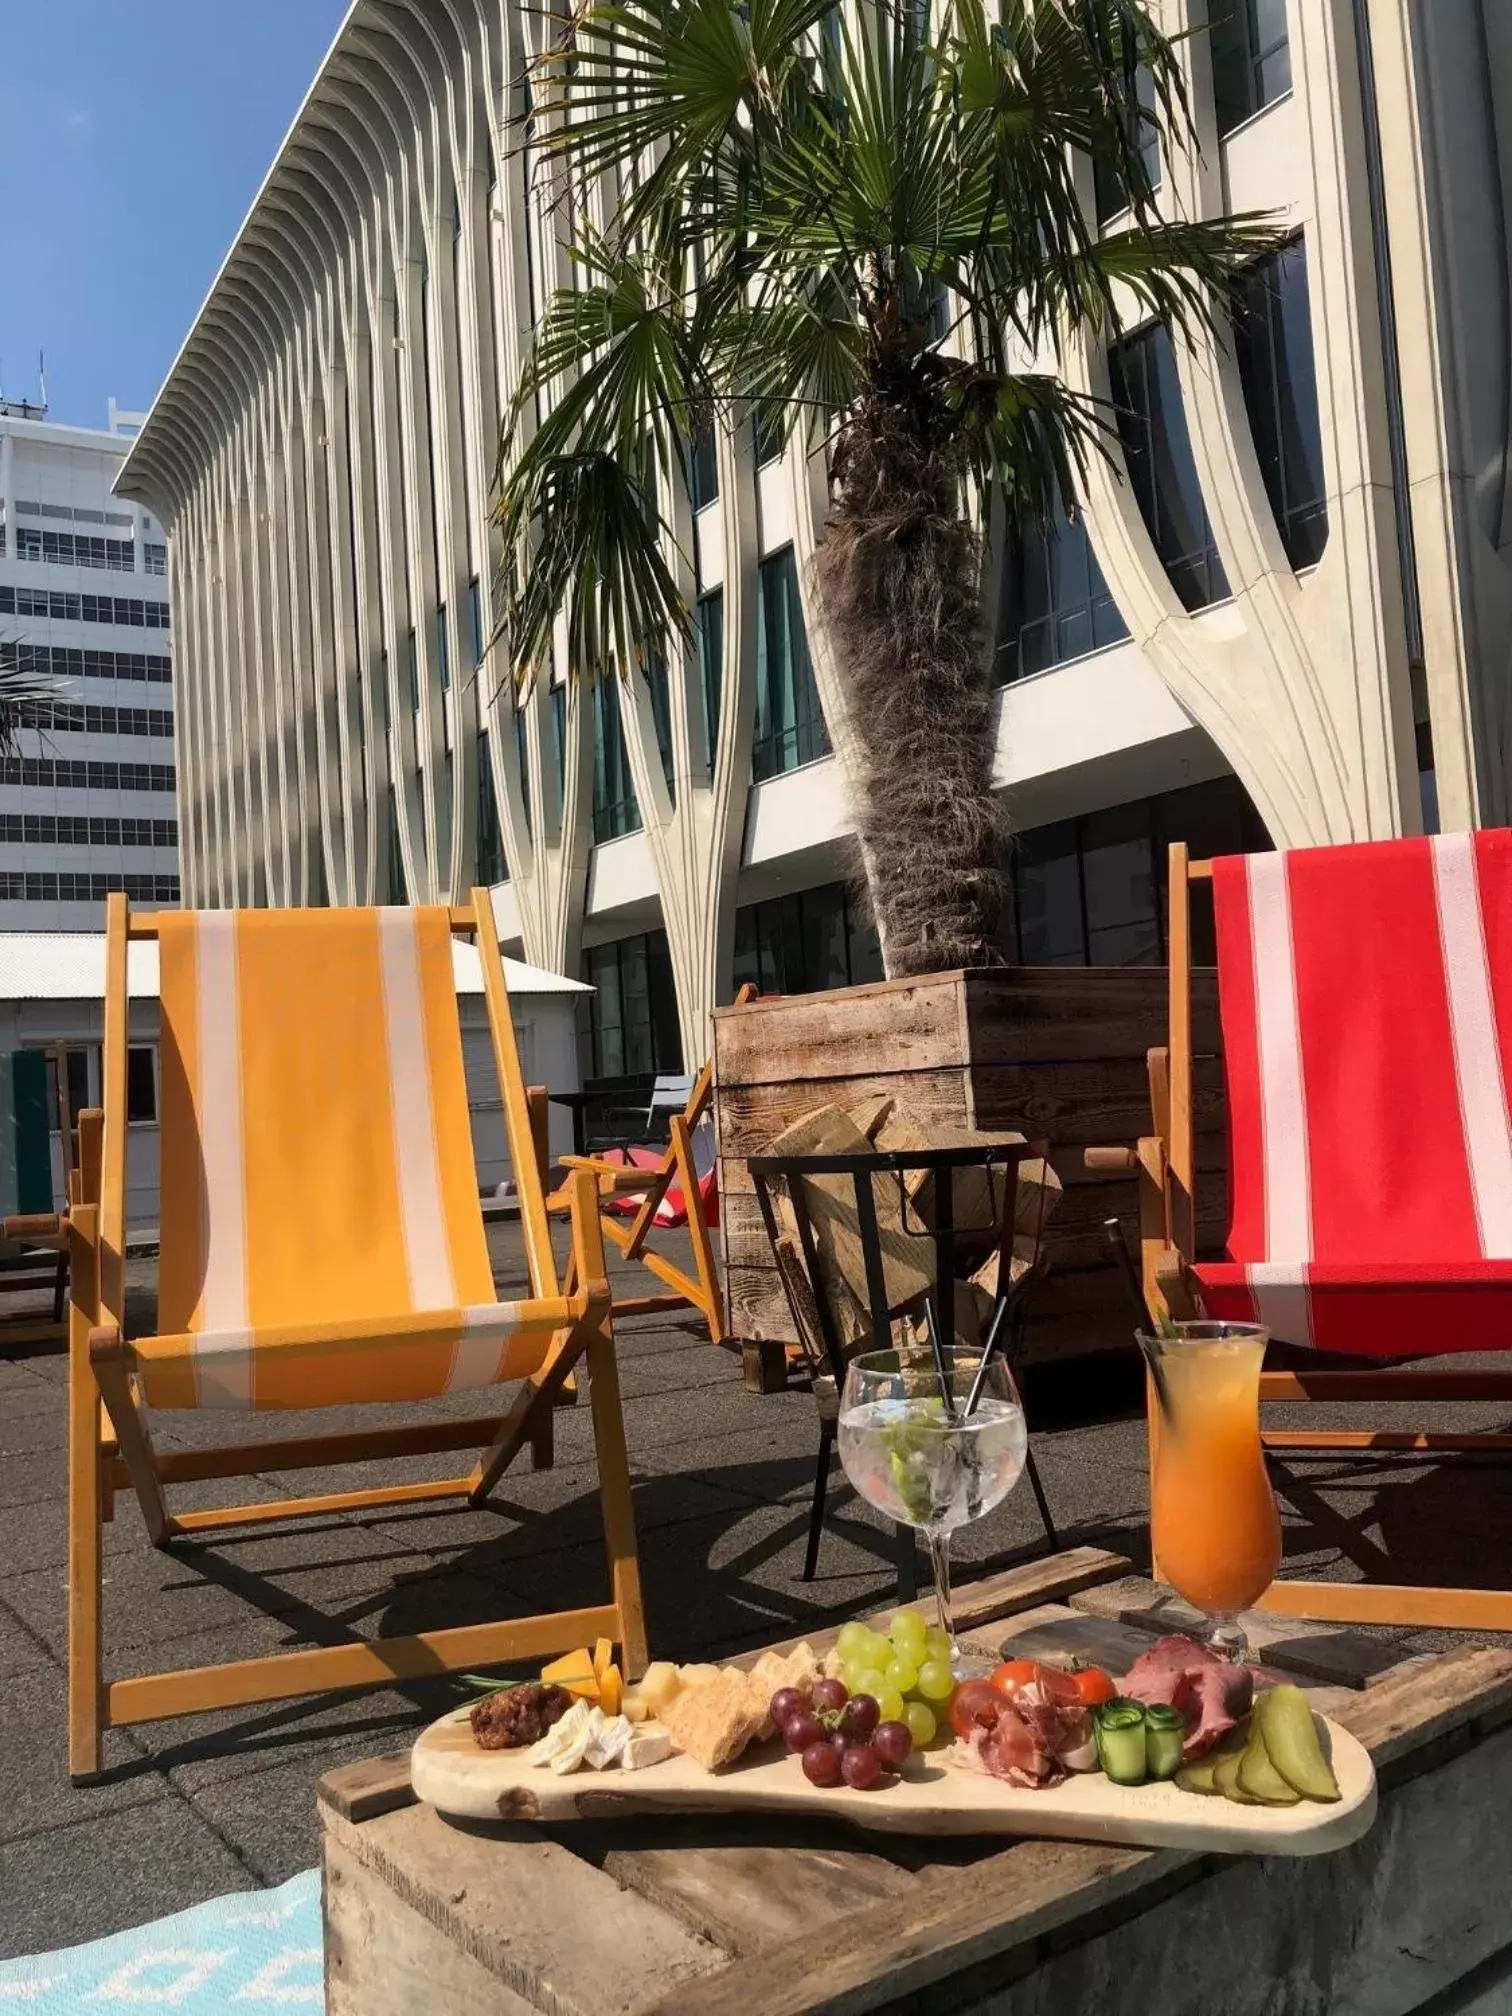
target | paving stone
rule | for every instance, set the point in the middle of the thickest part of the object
(110, 1871)
(20, 1653)
(36, 1796)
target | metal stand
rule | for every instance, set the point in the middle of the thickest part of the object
(809, 1302)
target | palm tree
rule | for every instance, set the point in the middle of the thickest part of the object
(23, 696)
(878, 235)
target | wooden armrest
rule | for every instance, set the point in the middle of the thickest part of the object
(39, 1228)
(1121, 1161)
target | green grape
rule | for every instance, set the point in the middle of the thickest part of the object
(852, 1640)
(921, 1723)
(871, 1680)
(872, 1650)
(903, 1674)
(937, 1643)
(936, 1681)
(891, 1703)
(908, 1634)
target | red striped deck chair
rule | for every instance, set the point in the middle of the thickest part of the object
(1365, 999)
(322, 1243)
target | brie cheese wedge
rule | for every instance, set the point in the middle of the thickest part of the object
(647, 1745)
(561, 1735)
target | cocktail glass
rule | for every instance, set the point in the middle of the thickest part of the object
(1214, 1529)
(911, 1449)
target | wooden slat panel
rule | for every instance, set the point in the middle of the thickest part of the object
(1040, 1013)
(915, 1024)
(750, 1117)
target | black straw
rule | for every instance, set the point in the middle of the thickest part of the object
(941, 1373)
(995, 1335)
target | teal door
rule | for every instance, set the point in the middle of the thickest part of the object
(34, 1186)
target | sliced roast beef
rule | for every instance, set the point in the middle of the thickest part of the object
(1212, 1693)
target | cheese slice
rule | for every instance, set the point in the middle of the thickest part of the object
(561, 1735)
(608, 1745)
(577, 1750)
(647, 1745)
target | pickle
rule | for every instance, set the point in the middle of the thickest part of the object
(1291, 1742)
(1226, 1778)
(1258, 1775)
(1198, 1775)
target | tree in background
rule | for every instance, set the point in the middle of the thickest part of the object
(876, 233)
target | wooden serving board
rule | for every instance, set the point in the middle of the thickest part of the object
(451, 1773)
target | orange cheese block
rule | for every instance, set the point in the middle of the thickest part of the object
(574, 1671)
(611, 1690)
(603, 1655)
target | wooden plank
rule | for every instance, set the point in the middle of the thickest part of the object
(1087, 1102)
(363, 1791)
(385, 1958)
(916, 1023)
(1042, 1013)
(1465, 1692)
(748, 1896)
(545, 1926)
(1316, 1651)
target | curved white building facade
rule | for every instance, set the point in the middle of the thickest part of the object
(1303, 581)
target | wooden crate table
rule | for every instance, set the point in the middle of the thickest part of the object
(693, 1916)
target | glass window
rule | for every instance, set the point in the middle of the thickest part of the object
(1143, 134)
(141, 1085)
(711, 661)
(559, 731)
(1053, 603)
(475, 618)
(1273, 343)
(396, 892)
(661, 714)
(414, 675)
(704, 468)
(1158, 449)
(1251, 58)
(766, 432)
(1118, 887)
(491, 866)
(806, 942)
(522, 744)
(1047, 905)
(790, 728)
(443, 649)
(615, 810)
(633, 1012)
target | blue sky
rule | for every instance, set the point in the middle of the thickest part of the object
(133, 136)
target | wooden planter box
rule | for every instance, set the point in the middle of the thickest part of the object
(1058, 1052)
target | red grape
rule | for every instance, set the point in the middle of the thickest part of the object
(840, 1742)
(828, 1695)
(892, 1742)
(861, 1767)
(821, 1766)
(785, 1703)
(802, 1730)
(861, 1715)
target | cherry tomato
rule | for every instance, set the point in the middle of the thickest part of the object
(1094, 1686)
(1012, 1675)
(974, 1701)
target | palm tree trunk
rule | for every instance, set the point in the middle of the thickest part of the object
(899, 580)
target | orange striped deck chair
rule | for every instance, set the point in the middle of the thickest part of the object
(322, 1244)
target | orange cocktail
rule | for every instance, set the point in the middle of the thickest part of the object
(1214, 1527)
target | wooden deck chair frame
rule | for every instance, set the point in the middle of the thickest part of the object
(1166, 1163)
(699, 1290)
(111, 1447)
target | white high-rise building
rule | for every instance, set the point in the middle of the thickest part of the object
(88, 802)
(1285, 613)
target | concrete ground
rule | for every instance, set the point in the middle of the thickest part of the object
(190, 1809)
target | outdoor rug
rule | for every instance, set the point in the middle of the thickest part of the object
(259, 1949)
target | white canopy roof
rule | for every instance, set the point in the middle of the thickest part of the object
(70, 966)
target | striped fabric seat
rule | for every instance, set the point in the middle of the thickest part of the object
(1366, 999)
(322, 1241)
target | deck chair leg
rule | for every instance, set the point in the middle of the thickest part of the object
(614, 1494)
(698, 1230)
(86, 1675)
(519, 1424)
(131, 1433)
